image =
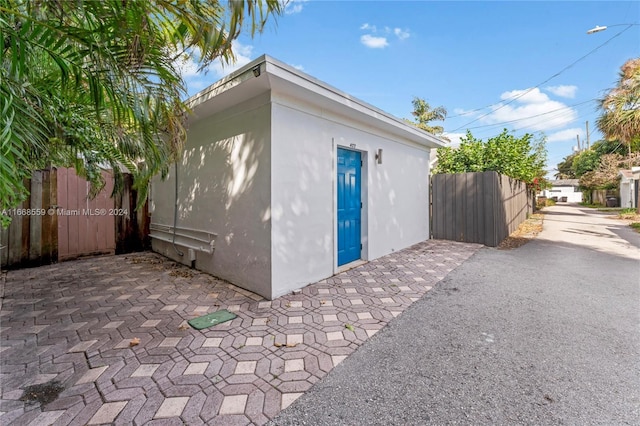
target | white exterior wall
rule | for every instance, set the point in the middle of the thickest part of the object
(627, 192)
(303, 192)
(628, 188)
(564, 191)
(225, 188)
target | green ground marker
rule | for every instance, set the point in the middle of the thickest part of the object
(211, 319)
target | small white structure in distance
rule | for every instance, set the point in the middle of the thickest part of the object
(629, 187)
(286, 180)
(569, 188)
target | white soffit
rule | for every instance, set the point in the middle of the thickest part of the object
(243, 84)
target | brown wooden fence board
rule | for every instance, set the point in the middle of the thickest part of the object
(35, 228)
(26, 222)
(4, 246)
(50, 221)
(23, 242)
(15, 238)
(132, 229)
(87, 225)
(62, 228)
(36, 239)
(477, 207)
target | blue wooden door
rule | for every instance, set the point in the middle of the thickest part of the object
(349, 206)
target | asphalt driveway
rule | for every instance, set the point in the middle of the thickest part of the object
(545, 334)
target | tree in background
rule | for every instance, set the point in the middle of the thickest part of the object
(423, 115)
(620, 119)
(584, 162)
(521, 158)
(576, 165)
(604, 175)
(565, 168)
(97, 82)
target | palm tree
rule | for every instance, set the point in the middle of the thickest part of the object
(94, 82)
(620, 119)
(423, 114)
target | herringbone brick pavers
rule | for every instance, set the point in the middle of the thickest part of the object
(111, 333)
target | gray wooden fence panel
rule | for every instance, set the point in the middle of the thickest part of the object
(479, 213)
(449, 208)
(471, 205)
(477, 207)
(489, 193)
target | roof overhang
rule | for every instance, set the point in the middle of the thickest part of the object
(626, 175)
(266, 74)
(565, 182)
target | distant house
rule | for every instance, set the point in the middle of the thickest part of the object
(286, 180)
(629, 187)
(569, 188)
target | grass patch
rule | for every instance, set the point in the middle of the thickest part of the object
(631, 216)
(527, 231)
(629, 210)
(542, 202)
(591, 205)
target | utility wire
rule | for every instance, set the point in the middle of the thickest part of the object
(544, 82)
(531, 116)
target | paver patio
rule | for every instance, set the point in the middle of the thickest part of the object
(112, 332)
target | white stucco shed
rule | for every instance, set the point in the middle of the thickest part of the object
(629, 187)
(285, 180)
(566, 189)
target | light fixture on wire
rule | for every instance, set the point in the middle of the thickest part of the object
(599, 28)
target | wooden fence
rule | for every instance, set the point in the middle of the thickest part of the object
(32, 239)
(477, 207)
(60, 221)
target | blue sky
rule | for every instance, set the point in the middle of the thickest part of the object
(473, 58)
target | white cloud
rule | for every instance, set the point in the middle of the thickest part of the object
(461, 111)
(566, 135)
(531, 110)
(525, 96)
(243, 57)
(198, 80)
(564, 91)
(374, 42)
(292, 7)
(186, 66)
(454, 138)
(298, 67)
(401, 34)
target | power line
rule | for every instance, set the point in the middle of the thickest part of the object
(544, 82)
(568, 107)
